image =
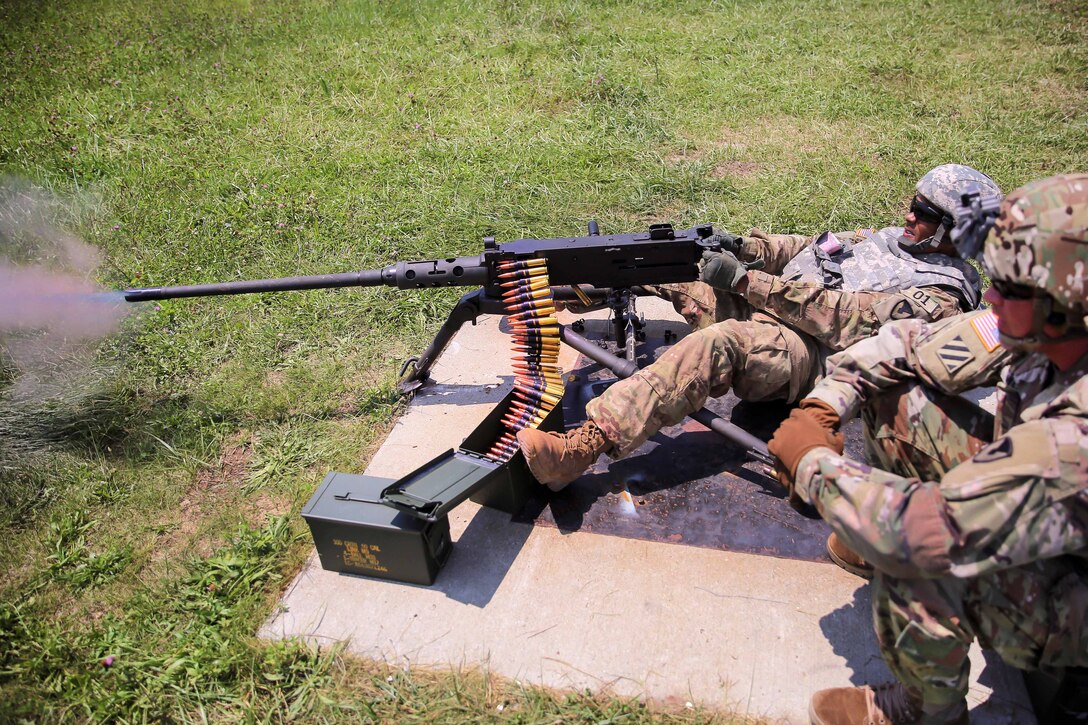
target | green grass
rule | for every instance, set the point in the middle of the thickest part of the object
(150, 513)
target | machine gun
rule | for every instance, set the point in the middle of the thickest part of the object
(604, 269)
(976, 215)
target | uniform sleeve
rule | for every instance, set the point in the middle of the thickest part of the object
(860, 372)
(774, 250)
(839, 318)
(953, 355)
(1021, 499)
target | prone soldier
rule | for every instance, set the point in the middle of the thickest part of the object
(811, 297)
(977, 528)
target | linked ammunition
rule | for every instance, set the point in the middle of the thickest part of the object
(524, 420)
(534, 333)
(523, 266)
(535, 347)
(530, 314)
(533, 396)
(507, 273)
(554, 383)
(530, 366)
(526, 284)
(522, 285)
(529, 305)
(516, 297)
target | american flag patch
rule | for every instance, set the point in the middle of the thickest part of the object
(985, 326)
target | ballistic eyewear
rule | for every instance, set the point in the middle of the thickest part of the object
(1012, 291)
(922, 209)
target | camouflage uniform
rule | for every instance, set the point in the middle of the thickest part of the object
(997, 550)
(775, 353)
(1013, 526)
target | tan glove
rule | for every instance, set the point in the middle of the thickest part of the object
(814, 424)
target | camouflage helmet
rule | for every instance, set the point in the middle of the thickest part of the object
(945, 186)
(1040, 241)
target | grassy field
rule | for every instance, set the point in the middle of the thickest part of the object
(149, 514)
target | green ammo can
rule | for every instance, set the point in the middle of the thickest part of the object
(355, 533)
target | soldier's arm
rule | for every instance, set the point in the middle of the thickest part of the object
(774, 250)
(953, 355)
(1020, 499)
(839, 318)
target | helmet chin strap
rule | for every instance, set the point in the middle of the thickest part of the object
(933, 243)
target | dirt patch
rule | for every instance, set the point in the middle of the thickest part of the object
(265, 505)
(200, 500)
(732, 139)
(274, 378)
(735, 169)
(684, 157)
(232, 466)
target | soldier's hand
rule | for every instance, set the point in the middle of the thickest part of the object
(722, 270)
(729, 242)
(813, 425)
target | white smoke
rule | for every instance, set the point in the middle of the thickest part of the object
(52, 314)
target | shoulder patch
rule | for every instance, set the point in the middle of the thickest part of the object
(925, 301)
(985, 326)
(997, 451)
(902, 311)
(954, 354)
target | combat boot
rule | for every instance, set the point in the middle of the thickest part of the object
(890, 704)
(847, 558)
(556, 459)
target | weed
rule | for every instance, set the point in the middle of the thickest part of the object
(278, 454)
(71, 560)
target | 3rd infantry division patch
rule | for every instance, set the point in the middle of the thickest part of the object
(955, 354)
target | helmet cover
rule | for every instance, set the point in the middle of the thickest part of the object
(945, 185)
(1040, 240)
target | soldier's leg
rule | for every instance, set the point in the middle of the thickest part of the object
(920, 629)
(759, 359)
(914, 430)
(702, 305)
(1032, 616)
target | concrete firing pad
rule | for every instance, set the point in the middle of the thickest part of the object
(750, 633)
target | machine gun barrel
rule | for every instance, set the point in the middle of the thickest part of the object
(366, 278)
(597, 265)
(456, 272)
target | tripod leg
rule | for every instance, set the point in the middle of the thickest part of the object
(467, 309)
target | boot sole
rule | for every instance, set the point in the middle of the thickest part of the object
(863, 572)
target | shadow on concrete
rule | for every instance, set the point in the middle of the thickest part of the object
(481, 557)
(686, 485)
(1007, 690)
(849, 630)
(449, 394)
